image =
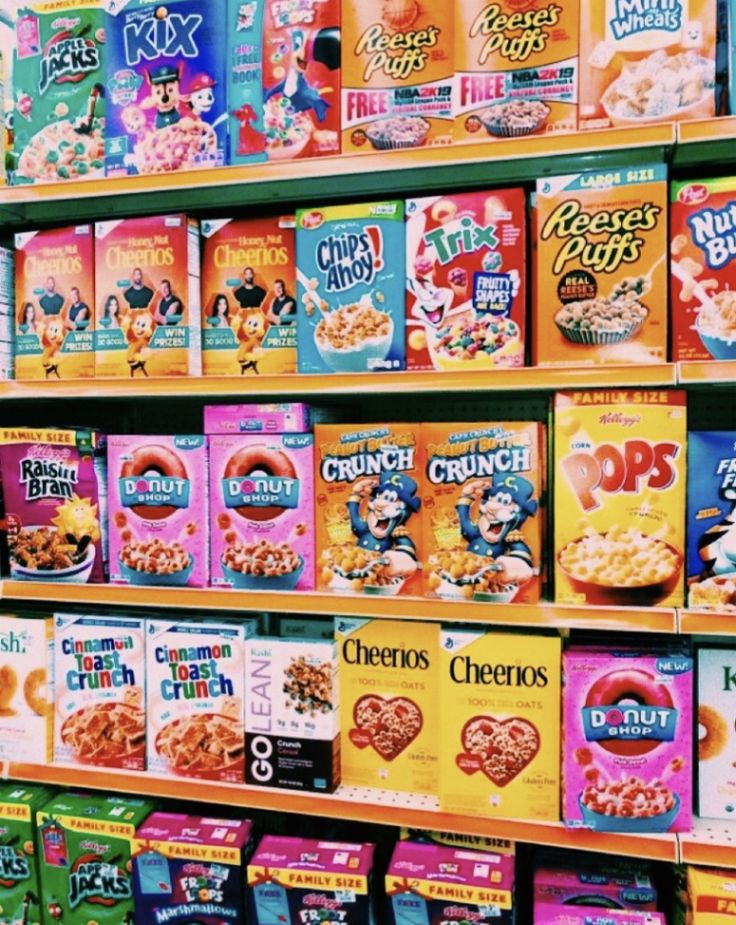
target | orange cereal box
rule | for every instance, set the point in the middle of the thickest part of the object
(147, 297)
(397, 74)
(54, 293)
(248, 296)
(619, 497)
(516, 64)
(483, 528)
(646, 61)
(600, 268)
(368, 527)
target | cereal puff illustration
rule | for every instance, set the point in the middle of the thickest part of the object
(52, 340)
(139, 337)
(250, 334)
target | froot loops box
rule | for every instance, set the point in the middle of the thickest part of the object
(466, 285)
(350, 286)
(717, 727)
(18, 855)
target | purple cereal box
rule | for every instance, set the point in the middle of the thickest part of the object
(158, 510)
(627, 733)
(282, 418)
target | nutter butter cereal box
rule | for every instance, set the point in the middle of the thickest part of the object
(716, 700)
(619, 505)
(600, 268)
(21, 894)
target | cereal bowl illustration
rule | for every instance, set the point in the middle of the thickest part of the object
(262, 566)
(716, 326)
(354, 336)
(515, 118)
(636, 820)
(44, 554)
(204, 744)
(499, 748)
(485, 340)
(108, 734)
(606, 320)
(386, 724)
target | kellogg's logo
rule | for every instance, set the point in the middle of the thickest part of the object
(350, 258)
(67, 58)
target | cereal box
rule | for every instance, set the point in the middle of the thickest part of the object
(54, 494)
(499, 724)
(350, 284)
(54, 316)
(483, 529)
(646, 62)
(710, 895)
(627, 739)
(194, 703)
(287, 417)
(619, 503)
(190, 867)
(283, 79)
(516, 68)
(99, 669)
(388, 704)
(594, 884)
(19, 884)
(589, 915)
(158, 510)
(368, 528)
(292, 720)
(465, 271)
(600, 268)
(166, 86)
(147, 297)
(716, 722)
(58, 88)
(397, 75)
(248, 297)
(26, 690)
(459, 840)
(261, 511)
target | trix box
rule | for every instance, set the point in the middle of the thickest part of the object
(19, 884)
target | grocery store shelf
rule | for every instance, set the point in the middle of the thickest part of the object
(707, 372)
(712, 842)
(706, 623)
(703, 142)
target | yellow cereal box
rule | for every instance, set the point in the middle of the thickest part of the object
(619, 497)
(600, 268)
(711, 896)
(646, 61)
(499, 697)
(388, 672)
(482, 486)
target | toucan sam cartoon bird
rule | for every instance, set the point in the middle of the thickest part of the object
(322, 47)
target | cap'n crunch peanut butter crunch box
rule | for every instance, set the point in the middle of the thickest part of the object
(619, 505)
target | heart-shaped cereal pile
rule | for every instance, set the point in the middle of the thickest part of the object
(388, 724)
(499, 748)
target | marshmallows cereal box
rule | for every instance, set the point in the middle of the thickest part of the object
(147, 297)
(483, 529)
(248, 296)
(627, 737)
(99, 691)
(397, 75)
(350, 283)
(619, 526)
(54, 293)
(600, 268)
(466, 287)
(21, 894)
(516, 68)
(166, 86)
(646, 61)
(717, 723)
(499, 698)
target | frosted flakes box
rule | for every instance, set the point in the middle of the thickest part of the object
(21, 895)
(716, 724)
(619, 502)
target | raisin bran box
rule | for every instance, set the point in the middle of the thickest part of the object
(19, 885)
(717, 723)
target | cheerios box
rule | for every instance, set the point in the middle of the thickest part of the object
(499, 724)
(619, 497)
(716, 699)
(388, 673)
(600, 268)
(350, 287)
(21, 894)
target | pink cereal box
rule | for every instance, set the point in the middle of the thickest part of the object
(591, 915)
(258, 418)
(158, 510)
(594, 884)
(627, 739)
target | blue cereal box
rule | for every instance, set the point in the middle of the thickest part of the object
(350, 287)
(166, 86)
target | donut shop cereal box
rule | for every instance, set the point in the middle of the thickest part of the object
(619, 502)
(148, 297)
(18, 852)
(570, 915)
(350, 286)
(717, 725)
(466, 285)
(54, 303)
(627, 739)
(594, 884)
(600, 268)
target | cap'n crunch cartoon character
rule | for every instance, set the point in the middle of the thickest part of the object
(391, 502)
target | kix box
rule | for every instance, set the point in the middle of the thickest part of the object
(619, 498)
(19, 885)
(147, 297)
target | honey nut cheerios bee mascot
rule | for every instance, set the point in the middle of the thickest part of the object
(250, 333)
(139, 334)
(52, 340)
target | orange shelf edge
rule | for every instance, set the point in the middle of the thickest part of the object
(707, 623)
(712, 843)
(714, 129)
(701, 371)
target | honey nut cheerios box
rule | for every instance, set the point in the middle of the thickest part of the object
(600, 268)
(483, 525)
(389, 700)
(619, 497)
(100, 687)
(716, 701)
(499, 701)
(21, 894)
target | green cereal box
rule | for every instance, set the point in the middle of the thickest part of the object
(20, 894)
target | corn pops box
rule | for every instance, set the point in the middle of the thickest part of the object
(54, 316)
(717, 726)
(147, 297)
(619, 504)
(483, 529)
(248, 296)
(646, 62)
(21, 894)
(516, 68)
(600, 268)
(466, 286)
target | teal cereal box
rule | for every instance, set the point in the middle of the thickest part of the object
(20, 895)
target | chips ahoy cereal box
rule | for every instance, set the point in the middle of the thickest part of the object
(21, 894)
(350, 283)
(166, 86)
